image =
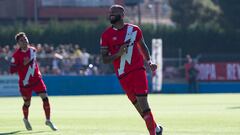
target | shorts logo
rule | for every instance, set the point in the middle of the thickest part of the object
(114, 38)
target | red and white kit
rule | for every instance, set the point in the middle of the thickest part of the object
(25, 64)
(129, 67)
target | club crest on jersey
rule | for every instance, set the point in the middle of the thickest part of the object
(114, 38)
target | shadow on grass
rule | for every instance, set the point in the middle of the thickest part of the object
(10, 133)
(234, 107)
(22, 132)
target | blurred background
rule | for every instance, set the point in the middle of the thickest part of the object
(201, 35)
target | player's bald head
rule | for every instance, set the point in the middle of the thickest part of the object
(117, 8)
(116, 14)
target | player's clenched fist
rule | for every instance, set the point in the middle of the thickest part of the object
(152, 66)
(26, 60)
(123, 49)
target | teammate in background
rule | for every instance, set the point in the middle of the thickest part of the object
(123, 44)
(24, 63)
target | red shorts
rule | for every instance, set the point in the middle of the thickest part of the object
(135, 83)
(39, 87)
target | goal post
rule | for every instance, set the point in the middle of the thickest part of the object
(157, 58)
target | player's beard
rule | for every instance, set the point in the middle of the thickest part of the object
(114, 18)
(24, 46)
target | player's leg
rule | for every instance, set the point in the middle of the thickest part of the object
(129, 88)
(46, 104)
(40, 89)
(47, 110)
(25, 107)
(141, 92)
(141, 105)
(26, 95)
(140, 102)
(147, 115)
(136, 105)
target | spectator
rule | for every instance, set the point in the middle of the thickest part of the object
(85, 58)
(192, 78)
(69, 61)
(77, 52)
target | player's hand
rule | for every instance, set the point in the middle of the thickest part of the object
(123, 49)
(26, 60)
(153, 66)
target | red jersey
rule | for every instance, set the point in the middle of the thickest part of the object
(113, 38)
(25, 64)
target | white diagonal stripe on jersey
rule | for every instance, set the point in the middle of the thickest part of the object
(130, 35)
(31, 70)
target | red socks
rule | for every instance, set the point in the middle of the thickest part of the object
(149, 120)
(46, 107)
(25, 111)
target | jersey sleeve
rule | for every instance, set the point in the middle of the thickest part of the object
(33, 53)
(104, 44)
(103, 41)
(139, 34)
(14, 65)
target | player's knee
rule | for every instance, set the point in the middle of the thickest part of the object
(42, 94)
(134, 102)
(142, 98)
(45, 99)
(27, 103)
(146, 110)
(46, 104)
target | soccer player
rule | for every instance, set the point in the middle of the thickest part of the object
(24, 63)
(124, 46)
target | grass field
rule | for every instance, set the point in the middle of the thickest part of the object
(198, 114)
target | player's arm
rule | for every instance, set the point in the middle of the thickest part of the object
(146, 54)
(108, 58)
(144, 49)
(13, 65)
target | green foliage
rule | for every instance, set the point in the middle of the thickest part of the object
(202, 26)
(230, 8)
(87, 34)
(195, 13)
(182, 12)
(199, 39)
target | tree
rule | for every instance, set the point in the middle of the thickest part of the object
(194, 13)
(230, 9)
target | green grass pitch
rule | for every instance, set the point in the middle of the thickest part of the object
(184, 114)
